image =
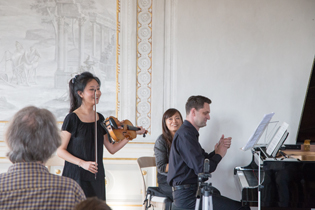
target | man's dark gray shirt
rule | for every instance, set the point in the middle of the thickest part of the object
(187, 157)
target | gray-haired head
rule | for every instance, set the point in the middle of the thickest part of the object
(32, 135)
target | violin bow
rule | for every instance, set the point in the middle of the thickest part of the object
(95, 130)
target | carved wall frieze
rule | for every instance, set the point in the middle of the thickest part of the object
(144, 63)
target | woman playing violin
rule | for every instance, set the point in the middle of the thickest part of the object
(78, 137)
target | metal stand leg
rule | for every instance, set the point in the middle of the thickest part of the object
(206, 193)
(197, 203)
(205, 203)
(259, 186)
(210, 203)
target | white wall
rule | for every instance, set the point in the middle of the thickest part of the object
(249, 57)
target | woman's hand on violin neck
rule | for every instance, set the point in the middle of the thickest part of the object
(141, 131)
(89, 166)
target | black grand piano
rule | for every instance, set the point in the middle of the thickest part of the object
(287, 181)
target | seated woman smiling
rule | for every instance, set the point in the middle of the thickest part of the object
(171, 121)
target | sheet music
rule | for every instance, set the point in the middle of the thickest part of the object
(258, 132)
(276, 150)
(277, 137)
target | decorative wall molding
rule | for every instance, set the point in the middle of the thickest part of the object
(117, 55)
(144, 63)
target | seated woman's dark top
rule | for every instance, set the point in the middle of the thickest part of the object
(161, 152)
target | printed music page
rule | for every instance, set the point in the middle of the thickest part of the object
(258, 132)
(277, 137)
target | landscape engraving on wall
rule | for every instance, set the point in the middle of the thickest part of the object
(44, 43)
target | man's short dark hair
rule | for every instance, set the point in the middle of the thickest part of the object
(196, 102)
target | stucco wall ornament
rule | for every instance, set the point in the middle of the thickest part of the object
(144, 63)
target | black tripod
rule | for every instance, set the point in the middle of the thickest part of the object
(204, 189)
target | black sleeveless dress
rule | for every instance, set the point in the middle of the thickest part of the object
(82, 145)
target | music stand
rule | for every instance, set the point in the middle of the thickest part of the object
(253, 141)
(262, 126)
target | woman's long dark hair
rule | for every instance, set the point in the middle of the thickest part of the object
(166, 132)
(76, 84)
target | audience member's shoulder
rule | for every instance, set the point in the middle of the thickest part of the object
(64, 181)
(68, 184)
(2, 176)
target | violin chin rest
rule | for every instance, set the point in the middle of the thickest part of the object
(113, 123)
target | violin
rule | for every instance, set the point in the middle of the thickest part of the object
(119, 131)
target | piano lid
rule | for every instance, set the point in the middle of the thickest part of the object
(307, 121)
